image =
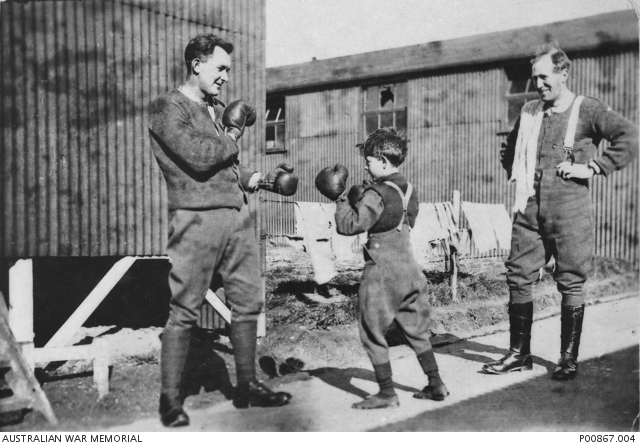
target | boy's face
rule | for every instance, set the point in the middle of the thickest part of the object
(375, 166)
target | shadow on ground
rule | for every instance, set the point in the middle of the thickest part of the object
(341, 379)
(475, 351)
(604, 397)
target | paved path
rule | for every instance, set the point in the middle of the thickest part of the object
(604, 397)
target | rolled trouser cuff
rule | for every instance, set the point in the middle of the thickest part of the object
(520, 296)
(573, 299)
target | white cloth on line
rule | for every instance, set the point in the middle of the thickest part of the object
(490, 225)
(314, 223)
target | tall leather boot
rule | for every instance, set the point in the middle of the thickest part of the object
(173, 357)
(250, 391)
(571, 329)
(519, 356)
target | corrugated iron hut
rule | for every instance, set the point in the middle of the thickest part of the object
(457, 100)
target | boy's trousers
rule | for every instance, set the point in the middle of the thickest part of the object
(393, 287)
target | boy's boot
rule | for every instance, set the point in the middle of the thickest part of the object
(387, 396)
(173, 356)
(519, 356)
(435, 390)
(249, 391)
(571, 320)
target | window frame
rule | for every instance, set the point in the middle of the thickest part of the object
(379, 111)
(278, 122)
(514, 73)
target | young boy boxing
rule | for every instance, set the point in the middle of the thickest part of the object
(393, 286)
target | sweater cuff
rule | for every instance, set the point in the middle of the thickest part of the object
(601, 165)
(244, 177)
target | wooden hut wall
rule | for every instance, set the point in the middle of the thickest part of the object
(79, 177)
(454, 122)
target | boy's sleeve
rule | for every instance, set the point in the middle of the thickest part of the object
(198, 150)
(353, 221)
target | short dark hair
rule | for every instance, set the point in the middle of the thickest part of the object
(202, 46)
(558, 57)
(387, 142)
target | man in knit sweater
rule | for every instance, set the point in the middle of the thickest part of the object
(210, 231)
(551, 155)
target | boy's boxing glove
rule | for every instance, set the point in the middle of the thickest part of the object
(238, 115)
(331, 181)
(356, 191)
(281, 180)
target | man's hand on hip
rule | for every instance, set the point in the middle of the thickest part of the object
(567, 170)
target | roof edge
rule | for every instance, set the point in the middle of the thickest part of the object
(605, 31)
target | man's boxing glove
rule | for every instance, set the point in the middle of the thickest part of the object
(356, 191)
(331, 181)
(238, 115)
(281, 180)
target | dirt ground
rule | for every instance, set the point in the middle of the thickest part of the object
(300, 336)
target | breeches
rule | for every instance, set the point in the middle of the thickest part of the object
(556, 222)
(204, 244)
(393, 287)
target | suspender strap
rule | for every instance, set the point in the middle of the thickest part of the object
(405, 199)
(569, 138)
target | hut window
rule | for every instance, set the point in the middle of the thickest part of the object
(275, 124)
(385, 106)
(520, 90)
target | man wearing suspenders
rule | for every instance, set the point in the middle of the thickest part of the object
(551, 155)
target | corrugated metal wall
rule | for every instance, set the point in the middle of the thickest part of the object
(79, 177)
(614, 79)
(454, 120)
(321, 129)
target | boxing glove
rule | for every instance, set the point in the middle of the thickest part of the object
(356, 191)
(281, 180)
(331, 181)
(238, 115)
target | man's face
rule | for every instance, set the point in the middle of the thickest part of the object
(548, 83)
(213, 72)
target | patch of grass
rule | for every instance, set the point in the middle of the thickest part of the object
(605, 267)
(479, 280)
(285, 308)
(284, 285)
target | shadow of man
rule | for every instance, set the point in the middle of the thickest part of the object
(482, 353)
(205, 368)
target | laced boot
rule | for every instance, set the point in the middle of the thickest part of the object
(256, 394)
(571, 323)
(519, 356)
(250, 391)
(173, 356)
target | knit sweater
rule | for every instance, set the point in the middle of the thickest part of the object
(199, 162)
(596, 122)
